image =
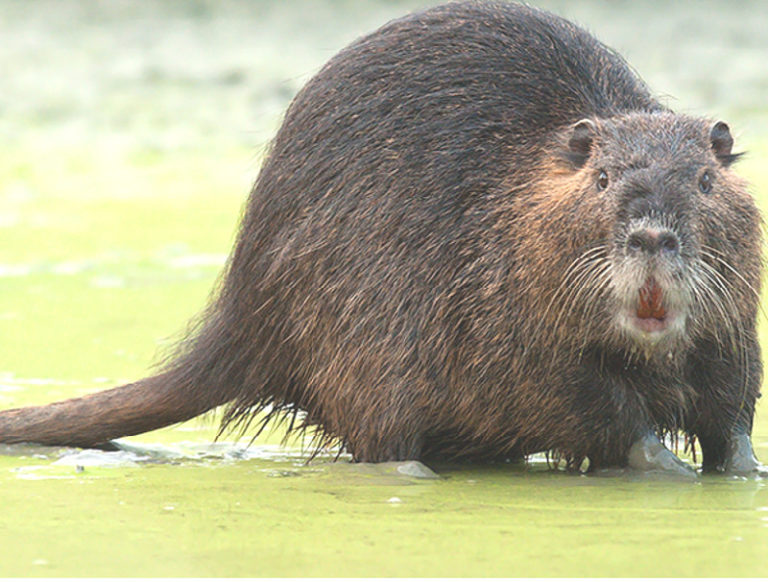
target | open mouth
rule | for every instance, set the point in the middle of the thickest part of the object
(651, 315)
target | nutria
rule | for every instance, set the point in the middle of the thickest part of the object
(476, 235)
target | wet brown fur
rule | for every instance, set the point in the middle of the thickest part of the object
(407, 274)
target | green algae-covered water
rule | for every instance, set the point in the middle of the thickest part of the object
(273, 517)
(129, 135)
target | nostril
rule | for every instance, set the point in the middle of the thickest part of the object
(668, 242)
(636, 242)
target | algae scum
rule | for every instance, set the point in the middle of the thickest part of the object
(197, 510)
(130, 138)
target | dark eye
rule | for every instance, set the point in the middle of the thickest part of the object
(602, 180)
(705, 183)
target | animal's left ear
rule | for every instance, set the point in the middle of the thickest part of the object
(721, 141)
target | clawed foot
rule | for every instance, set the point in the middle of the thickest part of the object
(741, 459)
(649, 454)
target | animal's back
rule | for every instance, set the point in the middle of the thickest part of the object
(421, 115)
(479, 81)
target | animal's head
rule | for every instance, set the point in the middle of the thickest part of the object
(683, 254)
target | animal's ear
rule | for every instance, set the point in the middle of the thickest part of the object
(581, 142)
(721, 141)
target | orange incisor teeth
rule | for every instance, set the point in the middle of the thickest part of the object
(651, 304)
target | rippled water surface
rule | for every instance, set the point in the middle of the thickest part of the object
(130, 135)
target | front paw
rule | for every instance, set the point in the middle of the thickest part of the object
(741, 460)
(649, 454)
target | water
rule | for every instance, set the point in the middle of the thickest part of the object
(130, 135)
(267, 513)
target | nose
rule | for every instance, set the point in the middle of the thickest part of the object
(652, 241)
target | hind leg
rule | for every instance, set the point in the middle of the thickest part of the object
(370, 445)
(383, 433)
(385, 421)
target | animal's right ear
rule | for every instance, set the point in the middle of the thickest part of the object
(581, 142)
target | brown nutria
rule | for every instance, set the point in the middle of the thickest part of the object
(476, 235)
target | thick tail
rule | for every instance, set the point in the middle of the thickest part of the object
(95, 419)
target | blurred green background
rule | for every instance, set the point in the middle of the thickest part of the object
(130, 133)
